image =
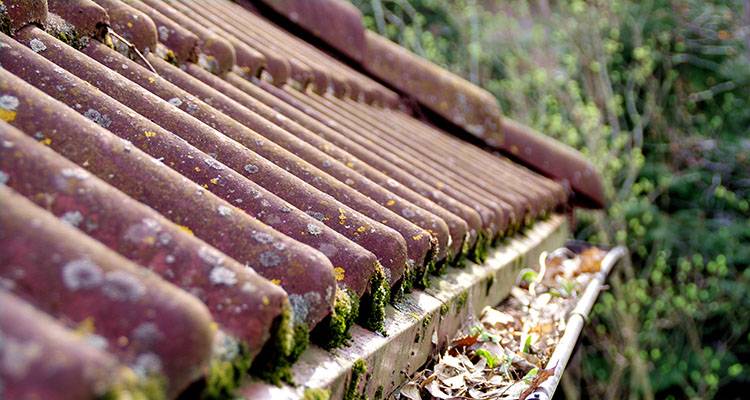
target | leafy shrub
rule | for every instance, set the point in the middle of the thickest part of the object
(655, 93)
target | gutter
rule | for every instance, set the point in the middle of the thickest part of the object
(576, 320)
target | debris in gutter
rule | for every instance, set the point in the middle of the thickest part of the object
(504, 354)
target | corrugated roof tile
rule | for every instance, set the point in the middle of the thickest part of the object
(146, 322)
(243, 304)
(271, 151)
(44, 360)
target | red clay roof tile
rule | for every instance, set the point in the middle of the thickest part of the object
(221, 155)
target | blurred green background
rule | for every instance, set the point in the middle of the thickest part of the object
(655, 93)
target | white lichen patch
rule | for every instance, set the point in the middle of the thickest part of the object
(163, 33)
(72, 218)
(17, 356)
(175, 101)
(211, 162)
(315, 214)
(251, 169)
(122, 286)
(75, 173)
(100, 119)
(249, 287)
(262, 237)
(81, 274)
(269, 259)
(147, 333)
(96, 341)
(8, 102)
(225, 347)
(147, 364)
(408, 213)
(36, 45)
(224, 211)
(223, 276)
(303, 304)
(392, 183)
(211, 256)
(314, 230)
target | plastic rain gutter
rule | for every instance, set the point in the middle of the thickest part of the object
(576, 320)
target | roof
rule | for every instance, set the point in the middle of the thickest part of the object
(224, 188)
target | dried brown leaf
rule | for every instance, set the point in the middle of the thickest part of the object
(411, 391)
(542, 376)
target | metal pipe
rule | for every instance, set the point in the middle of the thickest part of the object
(576, 320)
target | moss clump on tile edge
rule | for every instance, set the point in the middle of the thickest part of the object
(479, 253)
(372, 306)
(359, 369)
(316, 394)
(333, 331)
(274, 362)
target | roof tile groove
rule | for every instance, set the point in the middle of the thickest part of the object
(148, 323)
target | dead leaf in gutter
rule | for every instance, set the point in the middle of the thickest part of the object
(542, 376)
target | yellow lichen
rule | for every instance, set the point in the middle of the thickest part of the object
(46, 141)
(266, 301)
(149, 134)
(215, 181)
(339, 273)
(7, 115)
(276, 282)
(85, 327)
(185, 228)
(390, 202)
(361, 229)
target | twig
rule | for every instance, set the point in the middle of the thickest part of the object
(132, 48)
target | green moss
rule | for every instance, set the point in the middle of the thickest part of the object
(227, 369)
(379, 393)
(316, 394)
(488, 284)
(403, 286)
(444, 308)
(460, 301)
(333, 331)
(372, 312)
(426, 321)
(66, 33)
(135, 388)
(479, 253)
(171, 58)
(359, 369)
(274, 362)
(5, 24)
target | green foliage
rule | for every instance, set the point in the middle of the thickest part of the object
(655, 94)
